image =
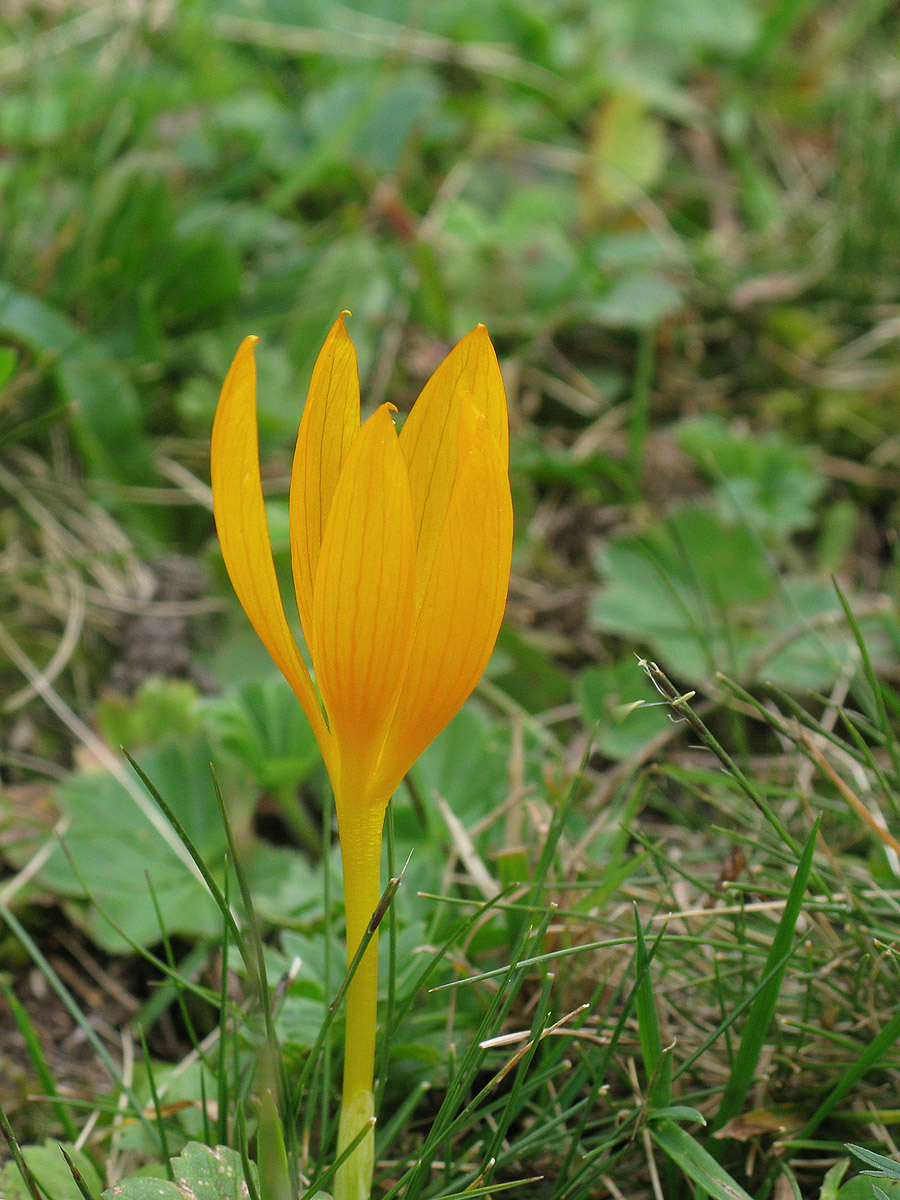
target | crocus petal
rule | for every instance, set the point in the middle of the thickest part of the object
(429, 437)
(363, 606)
(463, 603)
(244, 533)
(329, 424)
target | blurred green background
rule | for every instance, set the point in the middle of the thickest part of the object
(679, 220)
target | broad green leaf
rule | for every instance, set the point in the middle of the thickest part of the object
(104, 407)
(115, 849)
(700, 595)
(759, 478)
(638, 301)
(866, 1187)
(51, 1171)
(626, 153)
(201, 1172)
(264, 726)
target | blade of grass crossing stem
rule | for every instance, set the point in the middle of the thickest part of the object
(214, 890)
(872, 1054)
(311, 1192)
(331, 1012)
(657, 1064)
(222, 1072)
(388, 1025)
(762, 1011)
(39, 1062)
(77, 1177)
(697, 1164)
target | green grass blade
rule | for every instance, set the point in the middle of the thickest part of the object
(657, 1063)
(872, 1054)
(214, 890)
(77, 1176)
(876, 1162)
(697, 1163)
(762, 1012)
(157, 1109)
(74, 1012)
(39, 1062)
(30, 1182)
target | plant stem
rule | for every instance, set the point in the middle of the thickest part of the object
(361, 859)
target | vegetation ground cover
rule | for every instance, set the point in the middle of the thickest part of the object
(645, 938)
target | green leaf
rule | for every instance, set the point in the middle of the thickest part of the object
(114, 848)
(626, 153)
(105, 409)
(760, 478)
(9, 360)
(700, 594)
(888, 1167)
(864, 1187)
(832, 1181)
(696, 1162)
(692, 588)
(51, 1171)
(637, 301)
(200, 1172)
(264, 726)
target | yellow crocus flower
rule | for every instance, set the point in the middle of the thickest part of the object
(400, 549)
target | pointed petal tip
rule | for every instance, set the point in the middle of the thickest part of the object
(339, 327)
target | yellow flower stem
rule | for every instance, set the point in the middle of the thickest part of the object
(361, 859)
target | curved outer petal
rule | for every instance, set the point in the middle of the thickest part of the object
(244, 533)
(429, 437)
(462, 607)
(329, 424)
(363, 609)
